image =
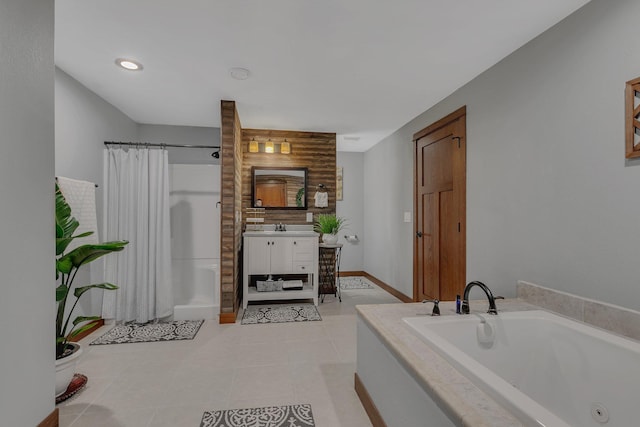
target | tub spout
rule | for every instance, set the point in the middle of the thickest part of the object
(492, 300)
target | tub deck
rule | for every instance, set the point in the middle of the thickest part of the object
(463, 402)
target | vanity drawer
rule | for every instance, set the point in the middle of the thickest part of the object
(303, 267)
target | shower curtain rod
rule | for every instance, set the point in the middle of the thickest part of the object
(149, 144)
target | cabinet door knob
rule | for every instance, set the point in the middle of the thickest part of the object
(295, 243)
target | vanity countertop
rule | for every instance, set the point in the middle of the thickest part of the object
(292, 230)
(288, 233)
(465, 403)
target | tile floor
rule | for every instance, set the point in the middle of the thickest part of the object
(227, 366)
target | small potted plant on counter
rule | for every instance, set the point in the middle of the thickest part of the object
(67, 265)
(329, 225)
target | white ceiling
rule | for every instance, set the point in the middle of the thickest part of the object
(359, 68)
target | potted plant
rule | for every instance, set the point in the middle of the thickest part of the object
(67, 265)
(329, 225)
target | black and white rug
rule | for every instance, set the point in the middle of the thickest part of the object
(150, 332)
(271, 416)
(355, 282)
(280, 313)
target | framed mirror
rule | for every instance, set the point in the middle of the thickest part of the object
(279, 187)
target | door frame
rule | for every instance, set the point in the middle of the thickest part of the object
(457, 114)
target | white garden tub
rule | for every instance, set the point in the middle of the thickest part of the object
(547, 370)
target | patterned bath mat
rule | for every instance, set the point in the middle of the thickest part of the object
(355, 282)
(150, 332)
(271, 416)
(280, 314)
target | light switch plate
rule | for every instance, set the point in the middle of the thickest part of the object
(309, 216)
(407, 217)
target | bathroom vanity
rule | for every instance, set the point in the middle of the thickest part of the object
(280, 253)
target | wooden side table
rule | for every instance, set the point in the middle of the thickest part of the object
(329, 270)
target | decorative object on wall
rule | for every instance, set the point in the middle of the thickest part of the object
(321, 198)
(632, 114)
(339, 183)
(272, 416)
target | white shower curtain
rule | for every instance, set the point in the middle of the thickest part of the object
(136, 200)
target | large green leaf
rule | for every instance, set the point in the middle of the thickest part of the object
(66, 225)
(81, 329)
(81, 319)
(61, 292)
(81, 290)
(64, 265)
(87, 253)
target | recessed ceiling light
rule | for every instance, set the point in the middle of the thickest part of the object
(129, 64)
(239, 73)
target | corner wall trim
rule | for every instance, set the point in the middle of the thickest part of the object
(51, 421)
(226, 318)
(393, 291)
(369, 407)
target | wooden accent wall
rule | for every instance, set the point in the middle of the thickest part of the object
(231, 198)
(313, 150)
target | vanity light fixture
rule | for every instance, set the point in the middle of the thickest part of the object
(129, 64)
(285, 147)
(253, 146)
(268, 146)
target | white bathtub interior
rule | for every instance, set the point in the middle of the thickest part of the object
(195, 240)
(549, 370)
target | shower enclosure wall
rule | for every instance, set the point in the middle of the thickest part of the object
(195, 240)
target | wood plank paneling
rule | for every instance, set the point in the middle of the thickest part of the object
(231, 200)
(313, 150)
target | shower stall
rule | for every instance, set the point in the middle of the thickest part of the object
(194, 198)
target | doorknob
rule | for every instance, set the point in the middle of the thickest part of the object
(418, 233)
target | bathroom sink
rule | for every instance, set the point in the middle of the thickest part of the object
(288, 233)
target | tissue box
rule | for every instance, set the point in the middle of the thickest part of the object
(269, 285)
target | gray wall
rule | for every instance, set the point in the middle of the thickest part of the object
(83, 122)
(351, 207)
(27, 305)
(188, 135)
(550, 197)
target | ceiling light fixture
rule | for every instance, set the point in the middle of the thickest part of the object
(268, 146)
(253, 146)
(129, 64)
(285, 147)
(239, 73)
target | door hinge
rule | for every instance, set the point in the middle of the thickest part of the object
(458, 227)
(458, 138)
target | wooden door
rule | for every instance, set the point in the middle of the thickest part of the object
(440, 205)
(272, 194)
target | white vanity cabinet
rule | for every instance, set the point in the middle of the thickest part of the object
(280, 253)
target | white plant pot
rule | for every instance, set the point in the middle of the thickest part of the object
(330, 239)
(65, 368)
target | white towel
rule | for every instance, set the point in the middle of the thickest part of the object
(321, 199)
(81, 197)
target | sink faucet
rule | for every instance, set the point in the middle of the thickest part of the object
(492, 300)
(281, 227)
(436, 309)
